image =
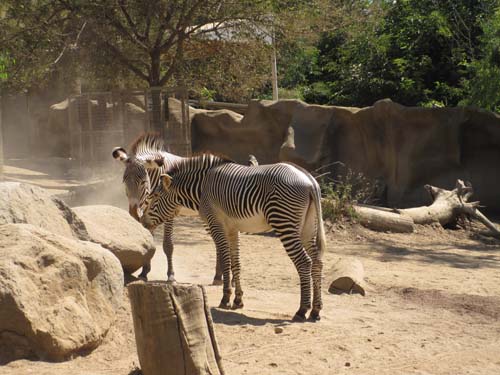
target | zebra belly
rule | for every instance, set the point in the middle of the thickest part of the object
(253, 224)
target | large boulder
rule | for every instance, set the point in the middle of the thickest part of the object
(29, 204)
(58, 295)
(115, 230)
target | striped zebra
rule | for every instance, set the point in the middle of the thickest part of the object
(233, 198)
(140, 181)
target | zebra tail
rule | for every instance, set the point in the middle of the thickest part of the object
(320, 229)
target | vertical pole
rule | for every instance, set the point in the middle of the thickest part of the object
(91, 130)
(1, 141)
(274, 68)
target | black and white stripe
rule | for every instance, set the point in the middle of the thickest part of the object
(143, 168)
(232, 198)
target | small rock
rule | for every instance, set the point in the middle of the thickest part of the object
(273, 364)
(348, 364)
(278, 330)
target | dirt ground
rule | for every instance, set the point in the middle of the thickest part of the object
(432, 305)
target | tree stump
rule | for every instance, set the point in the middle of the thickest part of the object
(173, 329)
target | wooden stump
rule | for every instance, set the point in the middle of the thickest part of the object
(173, 329)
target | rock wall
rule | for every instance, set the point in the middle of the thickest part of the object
(404, 147)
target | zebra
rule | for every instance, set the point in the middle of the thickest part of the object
(233, 198)
(140, 181)
(141, 178)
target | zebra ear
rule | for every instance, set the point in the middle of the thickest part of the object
(154, 163)
(166, 181)
(119, 153)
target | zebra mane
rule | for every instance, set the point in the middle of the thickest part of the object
(147, 143)
(199, 161)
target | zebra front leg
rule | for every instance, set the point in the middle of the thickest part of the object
(234, 243)
(218, 270)
(146, 267)
(168, 248)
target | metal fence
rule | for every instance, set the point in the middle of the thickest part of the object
(99, 121)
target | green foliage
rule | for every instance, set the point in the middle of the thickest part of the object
(347, 189)
(416, 52)
(207, 94)
(484, 86)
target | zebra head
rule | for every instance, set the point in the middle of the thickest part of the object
(141, 173)
(162, 204)
(136, 180)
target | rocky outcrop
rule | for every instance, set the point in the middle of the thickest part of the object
(29, 204)
(403, 147)
(115, 230)
(58, 295)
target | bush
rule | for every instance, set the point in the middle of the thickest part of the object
(340, 194)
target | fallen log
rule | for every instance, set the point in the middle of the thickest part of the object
(383, 220)
(447, 207)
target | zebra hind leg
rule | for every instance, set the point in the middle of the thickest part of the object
(234, 243)
(302, 261)
(222, 247)
(316, 271)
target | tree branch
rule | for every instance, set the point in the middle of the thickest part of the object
(130, 22)
(121, 57)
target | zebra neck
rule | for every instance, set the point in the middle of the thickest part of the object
(190, 175)
(171, 161)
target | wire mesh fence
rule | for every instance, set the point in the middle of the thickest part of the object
(99, 121)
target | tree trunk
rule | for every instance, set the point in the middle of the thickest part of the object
(156, 123)
(173, 329)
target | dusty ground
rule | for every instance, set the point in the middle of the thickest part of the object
(432, 307)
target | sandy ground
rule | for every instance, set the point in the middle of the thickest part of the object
(432, 307)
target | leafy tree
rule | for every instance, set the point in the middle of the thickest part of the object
(416, 52)
(136, 40)
(484, 85)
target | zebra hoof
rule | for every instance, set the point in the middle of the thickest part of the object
(217, 282)
(171, 279)
(225, 305)
(314, 316)
(142, 277)
(237, 305)
(298, 318)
